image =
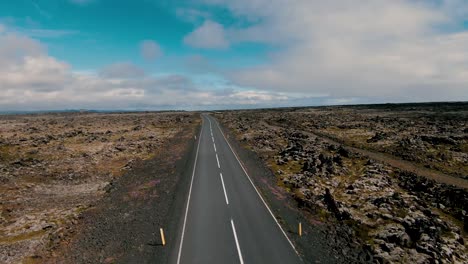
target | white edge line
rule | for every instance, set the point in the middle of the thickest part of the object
(217, 160)
(224, 188)
(237, 242)
(190, 193)
(251, 182)
(214, 145)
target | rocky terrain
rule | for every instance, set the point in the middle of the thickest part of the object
(54, 167)
(395, 176)
(434, 136)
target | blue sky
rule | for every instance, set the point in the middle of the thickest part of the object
(96, 33)
(151, 54)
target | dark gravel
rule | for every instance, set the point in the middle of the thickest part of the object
(123, 227)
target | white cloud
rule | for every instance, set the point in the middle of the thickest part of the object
(13, 46)
(380, 49)
(24, 63)
(192, 15)
(31, 28)
(30, 79)
(210, 35)
(150, 50)
(41, 72)
(81, 2)
(48, 33)
(199, 64)
(122, 70)
(41, 11)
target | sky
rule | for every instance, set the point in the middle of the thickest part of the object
(224, 54)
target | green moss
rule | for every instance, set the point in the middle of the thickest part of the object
(401, 212)
(6, 153)
(362, 231)
(299, 194)
(32, 260)
(21, 237)
(464, 147)
(323, 214)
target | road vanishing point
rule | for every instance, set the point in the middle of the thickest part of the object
(226, 219)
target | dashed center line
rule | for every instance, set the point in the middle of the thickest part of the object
(237, 242)
(253, 185)
(224, 188)
(217, 160)
(214, 145)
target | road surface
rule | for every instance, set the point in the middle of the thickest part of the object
(226, 220)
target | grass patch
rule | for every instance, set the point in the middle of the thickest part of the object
(362, 231)
(6, 153)
(449, 218)
(464, 147)
(291, 167)
(21, 237)
(323, 214)
(401, 212)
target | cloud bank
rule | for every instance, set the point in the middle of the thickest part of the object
(402, 50)
(122, 70)
(150, 50)
(81, 2)
(210, 35)
(30, 79)
(319, 52)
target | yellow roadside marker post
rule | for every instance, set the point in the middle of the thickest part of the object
(300, 229)
(162, 236)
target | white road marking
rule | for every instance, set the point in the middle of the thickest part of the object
(237, 242)
(212, 138)
(214, 145)
(251, 182)
(188, 199)
(211, 129)
(217, 160)
(224, 188)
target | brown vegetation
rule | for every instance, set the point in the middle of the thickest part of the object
(55, 166)
(395, 175)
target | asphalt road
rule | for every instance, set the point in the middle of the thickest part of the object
(226, 220)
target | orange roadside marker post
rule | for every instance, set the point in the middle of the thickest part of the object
(163, 240)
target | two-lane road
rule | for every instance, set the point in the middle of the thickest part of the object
(226, 219)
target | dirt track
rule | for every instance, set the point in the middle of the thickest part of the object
(396, 162)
